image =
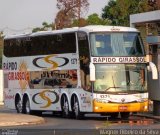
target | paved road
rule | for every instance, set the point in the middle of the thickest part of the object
(56, 125)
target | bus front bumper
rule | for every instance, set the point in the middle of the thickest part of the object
(120, 107)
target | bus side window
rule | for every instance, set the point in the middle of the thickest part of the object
(7, 48)
(84, 56)
(13, 47)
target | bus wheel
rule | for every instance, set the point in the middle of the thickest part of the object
(76, 109)
(18, 104)
(26, 106)
(125, 115)
(65, 107)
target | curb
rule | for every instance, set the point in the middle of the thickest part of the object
(7, 119)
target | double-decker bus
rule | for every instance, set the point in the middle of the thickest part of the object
(74, 71)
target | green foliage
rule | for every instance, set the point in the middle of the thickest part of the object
(45, 26)
(79, 23)
(108, 12)
(118, 11)
(37, 29)
(94, 19)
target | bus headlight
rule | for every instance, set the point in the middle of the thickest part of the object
(145, 107)
(96, 107)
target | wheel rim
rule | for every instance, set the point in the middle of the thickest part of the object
(19, 106)
(27, 107)
(76, 108)
(65, 107)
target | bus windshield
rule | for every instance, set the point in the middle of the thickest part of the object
(116, 44)
(119, 78)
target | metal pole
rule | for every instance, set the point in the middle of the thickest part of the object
(79, 11)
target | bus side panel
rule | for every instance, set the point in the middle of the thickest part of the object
(44, 99)
(9, 98)
(50, 99)
(8, 91)
(84, 98)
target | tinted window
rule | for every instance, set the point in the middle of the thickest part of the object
(41, 45)
(116, 44)
(17, 47)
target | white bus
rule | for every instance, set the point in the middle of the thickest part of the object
(73, 71)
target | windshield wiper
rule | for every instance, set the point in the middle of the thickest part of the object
(112, 87)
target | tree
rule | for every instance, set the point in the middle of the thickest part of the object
(69, 10)
(62, 20)
(1, 46)
(94, 19)
(81, 22)
(1, 35)
(155, 4)
(45, 27)
(118, 11)
(108, 12)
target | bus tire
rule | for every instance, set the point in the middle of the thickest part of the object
(27, 109)
(125, 115)
(18, 104)
(76, 109)
(65, 106)
(26, 106)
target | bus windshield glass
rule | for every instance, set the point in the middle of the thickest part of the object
(111, 78)
(116, 44)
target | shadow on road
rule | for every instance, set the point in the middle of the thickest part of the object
(132, 120)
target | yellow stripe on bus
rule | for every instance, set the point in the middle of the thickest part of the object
(118, 107)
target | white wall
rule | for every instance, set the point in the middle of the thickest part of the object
(152, 16)
(1, 87)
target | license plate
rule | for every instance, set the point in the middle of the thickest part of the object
(123, 108)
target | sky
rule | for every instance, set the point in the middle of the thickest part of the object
(17, 16)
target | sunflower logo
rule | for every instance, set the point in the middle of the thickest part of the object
(23, 75)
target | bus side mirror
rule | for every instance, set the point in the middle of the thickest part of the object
(152, 67)
(92, 72)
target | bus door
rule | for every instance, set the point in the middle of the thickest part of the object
(84, 56)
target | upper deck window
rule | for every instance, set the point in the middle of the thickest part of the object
(40, 45)
(116, 44)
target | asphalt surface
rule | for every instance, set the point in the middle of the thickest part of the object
(10, 118)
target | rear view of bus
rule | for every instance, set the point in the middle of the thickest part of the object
(120, 85)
